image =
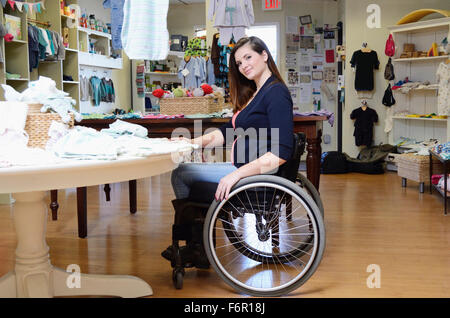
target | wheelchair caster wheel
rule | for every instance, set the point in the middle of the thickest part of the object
(177, 278)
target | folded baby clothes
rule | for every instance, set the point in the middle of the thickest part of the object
(86, 143)
(120, 127)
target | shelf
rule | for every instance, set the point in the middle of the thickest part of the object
(16, 42)
(67, 17)
(416, 90)
(420, 26)
(418, 118)
(158, 73)
(18, 79)
(414, 59)
(71, 50)
(71, 82)
(99, 60)
(176, 53)
(93, 32)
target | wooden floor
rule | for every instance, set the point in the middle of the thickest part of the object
(370, 219)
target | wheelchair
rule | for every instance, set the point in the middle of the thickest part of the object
(266, 240)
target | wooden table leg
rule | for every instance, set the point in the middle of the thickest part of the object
(133, 195)
(313, 159)
(82, 211)
(54, 204)
(107, 192)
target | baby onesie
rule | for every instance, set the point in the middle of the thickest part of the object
(232, 17)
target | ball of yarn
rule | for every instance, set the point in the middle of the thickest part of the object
(198, 92)
(158, 92)
(206, 89)
(178, 92)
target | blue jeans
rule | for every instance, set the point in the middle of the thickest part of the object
(187, 173)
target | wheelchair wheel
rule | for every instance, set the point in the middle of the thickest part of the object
(305, 184)
(263, 245)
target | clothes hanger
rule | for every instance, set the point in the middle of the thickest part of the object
(187, 58)
(364, 48)
(364, 104)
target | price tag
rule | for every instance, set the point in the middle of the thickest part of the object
(185, 72)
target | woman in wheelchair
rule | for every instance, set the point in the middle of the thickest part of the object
(263, 233)
(262, 105)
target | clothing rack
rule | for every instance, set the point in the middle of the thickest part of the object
(46, 24)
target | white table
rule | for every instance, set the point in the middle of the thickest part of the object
(34, 275)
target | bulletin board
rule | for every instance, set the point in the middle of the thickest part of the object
(310, 62)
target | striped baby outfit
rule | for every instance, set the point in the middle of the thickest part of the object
(144, 30)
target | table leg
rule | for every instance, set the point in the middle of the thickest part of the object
(132, 195)
(33, 274)
(313, 159)
(107, 190)
(54, 204)
(82, 211)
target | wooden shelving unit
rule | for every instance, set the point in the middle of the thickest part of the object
(163, 77)
(77, 53)
(419, 101)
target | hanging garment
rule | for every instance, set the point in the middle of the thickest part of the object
(215, 54)
(201, 64)
(33, 47)
(365, 63)
(388, 98)
(364, 120)
(48, 50)
(188, 72)
(210, 76)
(389, 49)
(389, 71)
(108, 85)
(60, 50)
(96, 90)
(2, 35)
(232, 17)
(231, 13)
(84, 88)
(42, 44)
(144, 31)
(222, 78)
(228, 33)
(116, 7)
(50, 40)
(443, 77)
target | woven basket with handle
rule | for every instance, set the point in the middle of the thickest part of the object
(38, 124)
(190, 105)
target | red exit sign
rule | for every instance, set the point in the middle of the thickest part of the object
(269, 5)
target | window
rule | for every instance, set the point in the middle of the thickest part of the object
(269, 34)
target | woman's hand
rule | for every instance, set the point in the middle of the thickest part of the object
(225, 185)
(181, 139)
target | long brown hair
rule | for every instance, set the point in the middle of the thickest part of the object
(241, 88)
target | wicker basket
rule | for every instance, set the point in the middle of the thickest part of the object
(416, 168)
(38, 123)
(190, 105)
